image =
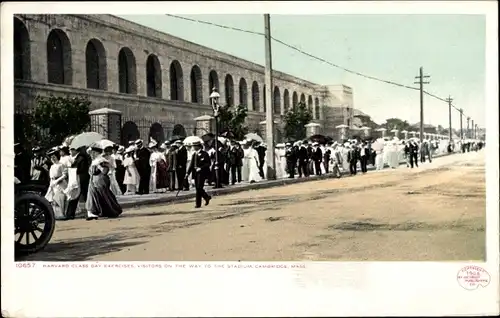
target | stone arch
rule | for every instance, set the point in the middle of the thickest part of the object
(156, 132)
(95, 65)
(213, 81)
(59, 63)
(310, 104)
(286, 100)
(176, 83)
(303, 98)
(153, 76)
(22, 51)
(255, 96)
(229, 90)
(127, 74)
(316, 108)
(264, 97)
(179, 130)
(295, 100)
(277, 100)
(196, 85)
(243, 92)
(130, 132)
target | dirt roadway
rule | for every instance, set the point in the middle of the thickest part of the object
(436, 212)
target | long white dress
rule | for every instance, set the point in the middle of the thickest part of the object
(114, 186)
(56, 195)
(251, 165)
(345, 164)
(393, 156)
(153, 160)
(282, 161)
(132, 180)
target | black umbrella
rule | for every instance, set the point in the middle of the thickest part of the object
(208, 137)
(228, 134)
(320, 139)
(176, 137)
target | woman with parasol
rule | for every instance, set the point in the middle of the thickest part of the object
(58, 182)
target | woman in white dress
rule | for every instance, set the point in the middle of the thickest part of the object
(280, 161)
(252, 161)
(393, 156)
(153, 159)
(131, 179)
(58, 182)
(378, 146)
(113, 183)
(344, 152)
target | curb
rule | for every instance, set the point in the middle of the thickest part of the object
(231, 190)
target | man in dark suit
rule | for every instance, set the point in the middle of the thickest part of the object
(142, 155)
(235, 161)
(352, 158)
(22, 163)
(363, 157)
(171, 166)
(199, 168)
(181, 165)
(326, 157)
(291, 159)
(413, 154)
(317, 157)
(303, 160)
(310, 162)
(82, 164)
(261, 151)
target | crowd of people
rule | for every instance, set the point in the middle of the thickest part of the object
(89, 179)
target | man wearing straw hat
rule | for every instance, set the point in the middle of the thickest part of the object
(200, 170)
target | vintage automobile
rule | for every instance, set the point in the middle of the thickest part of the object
(34, 218)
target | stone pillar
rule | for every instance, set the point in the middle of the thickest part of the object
(204, 125)
(342, 133)
(396, 133)
(264, 130)
(367, 132)
(405, 134)
(312, 129)
(107, 122)
(413, 134)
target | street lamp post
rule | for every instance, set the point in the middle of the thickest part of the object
(214, 101)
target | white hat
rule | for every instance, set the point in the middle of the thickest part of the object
(315, 143)
(138, 141)
(130, 149)
(280, 145)
(152, 143)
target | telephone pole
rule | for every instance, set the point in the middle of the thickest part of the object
(461, 126)
(421, 78)
(449, 100)
(472, 132)
(271, 168)
(468, 127)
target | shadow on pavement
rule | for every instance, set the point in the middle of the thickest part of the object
(82, 249)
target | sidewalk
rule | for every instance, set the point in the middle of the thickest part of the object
(132, 201)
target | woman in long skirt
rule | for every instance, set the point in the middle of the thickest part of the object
(58, 182)
(120, 169)
(252, 158)
(131, 180)
(114, 186)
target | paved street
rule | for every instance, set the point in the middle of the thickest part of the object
(436, 212)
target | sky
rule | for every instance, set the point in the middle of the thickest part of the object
(450, 48)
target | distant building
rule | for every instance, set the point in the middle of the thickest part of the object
(428, 128)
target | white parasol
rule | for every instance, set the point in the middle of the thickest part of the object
(105, 143)
(254, 137)
(85, 139)
(342, 126)
(188, 141)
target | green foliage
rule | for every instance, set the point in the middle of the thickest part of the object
(295, 120)
(367, 121)
(232, 119)
(396, 123)
(59, 117)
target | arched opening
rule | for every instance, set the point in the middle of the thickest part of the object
(213, 81)
(295, 100)
(22, 51)
(156, 132)
(303, 98)
(95, 65)
(229, 89)
(277, 100)
(130, 132)
(196, 85)
(243, 92)
(179, 130)
(264, 98)
(255, 96)
(59, 65)
(127, 71)
(316, 109)
(286, 100)
(176, 84)
(153, 76)
(310, 104)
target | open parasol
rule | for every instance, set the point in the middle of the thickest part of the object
(105, 143)
(85, 139)
(342, 126)
(254, 137)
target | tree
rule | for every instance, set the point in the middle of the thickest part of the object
(396, 123)
(59, 117)
(295, 121)
(367, 121)
(232, 119)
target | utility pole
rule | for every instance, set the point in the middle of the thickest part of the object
(271, 168)
(468, 127)
(449, 100)
(472, 132)
(421, 78)
(475, 132)
(461, 124)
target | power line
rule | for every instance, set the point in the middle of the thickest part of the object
(314, 57)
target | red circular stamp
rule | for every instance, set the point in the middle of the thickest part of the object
(471, 277)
